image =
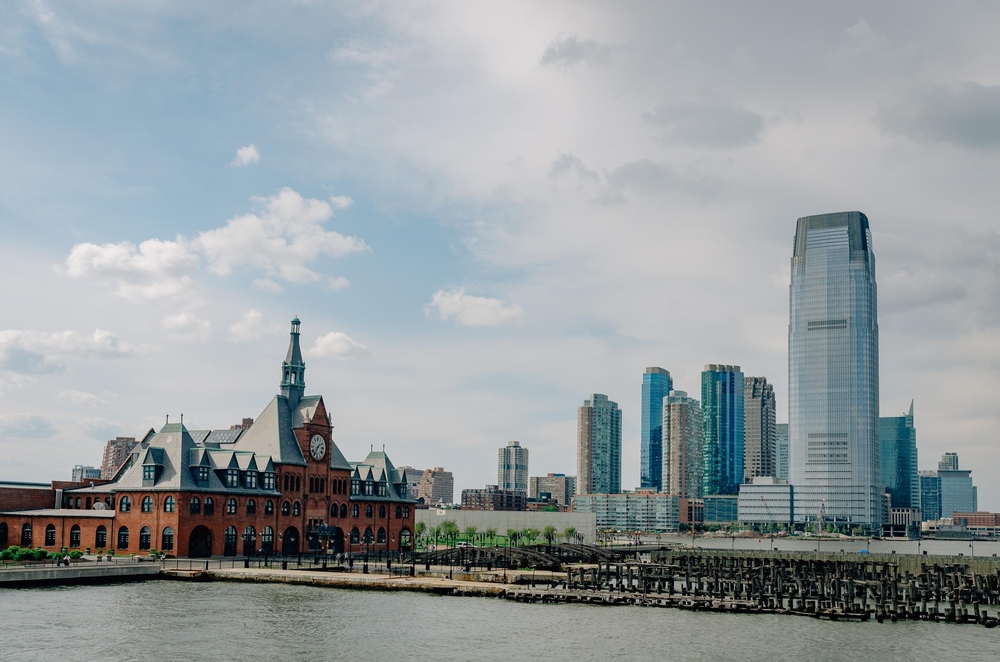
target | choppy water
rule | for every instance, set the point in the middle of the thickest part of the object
(165, 620)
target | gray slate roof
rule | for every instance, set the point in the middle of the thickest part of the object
(377, 467)
(272, 433)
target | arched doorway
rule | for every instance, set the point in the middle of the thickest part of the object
(338, 540)
(200, 543)
(249, 541)
(290, 541)
(229, 542)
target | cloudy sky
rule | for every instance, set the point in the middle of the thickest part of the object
(482, 214)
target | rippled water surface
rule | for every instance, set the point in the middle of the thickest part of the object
(165, 620)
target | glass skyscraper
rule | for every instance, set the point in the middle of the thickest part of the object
(683, 455)
(781, 451)
(722, 412)
(598, 446)
(656, 384)
(899, 459)
(833, 406)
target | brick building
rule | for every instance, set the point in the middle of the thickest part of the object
(116, 451)
(283, 486)
(493, 498)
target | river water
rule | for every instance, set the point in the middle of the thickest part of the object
(195, 622)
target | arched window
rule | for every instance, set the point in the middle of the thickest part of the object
(343, 510)
(145, 538)
(381, 535)
(249, 541)
(231, 506)
(74, 536)
(286, 508)
(50, 535)
(312, 483)
(77, 502)
(355, 512)
(229, 548)
(169, 504)
(167, 543)
(296, 509)
(399, 512)
(322, 485)
(209, 506)
(147, 504)
(123, 537)
(88, 503)
(101, 538)
(381, 512)
(334, 510)
(298, 483)
(368, 510)
(195, 505)
(406, 512)
(268, 507)
(251, 507)
(285, 483)
(369, 538)
(3, 534)
(267, 539)
(355, 536)
(125, 504)
(26, 535)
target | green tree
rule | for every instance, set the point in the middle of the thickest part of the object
(531, 534)
(513, 535)
(550, 533)
(569, 533)
(470, 534)
(491, 533)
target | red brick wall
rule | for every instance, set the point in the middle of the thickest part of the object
(26, 498)
(63, 526)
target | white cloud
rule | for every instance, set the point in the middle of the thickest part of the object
(282, 239)
(36, 352)
(341, 201)
(246, 156)
(251, 327)
(100, 428)
(186, 327)
(267, 285)
(83, 399)
(337, 345)
(338, 283)
(27, 426)
(469, 310)
(156, 269)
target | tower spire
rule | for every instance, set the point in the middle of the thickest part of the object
(293, 369)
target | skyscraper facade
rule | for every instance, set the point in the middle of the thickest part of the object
(656, 384)
(512, 467)
(833, 394)
(598, 446)
(683, 461)
(930, 495)
(722, 411)
(759, 428)
(948, 462)
(116, 451)
(781, 451)
(898, 438)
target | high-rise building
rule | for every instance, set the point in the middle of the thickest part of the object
(930, 495)
(833, 406)
(512, 467)
(899, 459)
(437, 486)
(598, 446)
(656, 384)
(781, 451)
(948, 462)
(683, 461)
(116, 451)
(759, 428)
(632, 511)
(560, 486)
(493, 497)
(722, 412)
(82, 473)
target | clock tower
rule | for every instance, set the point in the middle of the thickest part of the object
(293, 370)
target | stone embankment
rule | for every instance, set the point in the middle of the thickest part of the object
(78, 573)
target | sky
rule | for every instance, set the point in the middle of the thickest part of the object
(481, 212)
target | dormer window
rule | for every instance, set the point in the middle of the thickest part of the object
(381, 489)
(355, 487)
(149, 472)
(232, 478)
(202, 474)
(251, 479)
(268, 481)
(368, 487)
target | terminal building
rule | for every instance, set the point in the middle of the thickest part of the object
(280, 486)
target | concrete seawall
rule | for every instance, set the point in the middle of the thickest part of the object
(77, 574)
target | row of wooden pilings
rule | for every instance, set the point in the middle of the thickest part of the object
(837, 586)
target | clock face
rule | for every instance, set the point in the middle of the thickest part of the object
(317, 447)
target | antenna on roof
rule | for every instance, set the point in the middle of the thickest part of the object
(383, 448)
(182, 418)
(168, 419)
(372, 448)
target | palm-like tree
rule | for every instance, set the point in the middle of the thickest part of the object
(450, 529)
(531, 534)
(470, 534)
(569, 533)
(513, 535)
(491, 533)
(550, 533)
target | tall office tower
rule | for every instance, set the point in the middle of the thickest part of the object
(781, 451)
(759, 428)
(437, 486)
(598, 446)
(656, 384)
(683, 459)
(722, 411)
(899, 459)
(949, 462)
(930, 495)
(116, 451)
(512, 467)
(559, 486)
(833, 426)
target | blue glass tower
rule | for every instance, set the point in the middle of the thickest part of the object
(833, 422)
(899, 459)
(722, 409)
(656, 385)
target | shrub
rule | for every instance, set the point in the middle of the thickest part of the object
(76, 554)
(6, 555)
